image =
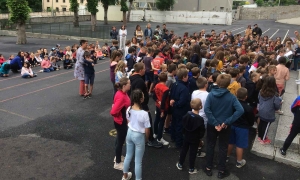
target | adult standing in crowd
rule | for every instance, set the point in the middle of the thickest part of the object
(148, 31)
(256, 31)
(79, 70)
(17, 62)
(113, 33)
(122, 35)
(248, 31)
(138, 33)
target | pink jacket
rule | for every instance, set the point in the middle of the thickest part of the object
(121, 103)
(282, 75)
(45, 63)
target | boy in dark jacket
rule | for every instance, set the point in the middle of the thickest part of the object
(89, 74)
(221, 108)
(130, 58)
(180, 101)
(193, 130)
(240, 129)
(192, 80)
(295, 127)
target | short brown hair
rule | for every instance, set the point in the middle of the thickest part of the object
(115, 42)
(196, 104)
(234, 72)
(162, 77)
(195, 71)
(223, 80)
(181, 73)
(244, 59)
(138, 67)
(201, 82)
(241, 93)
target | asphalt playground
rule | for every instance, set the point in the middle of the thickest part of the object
(47, 131)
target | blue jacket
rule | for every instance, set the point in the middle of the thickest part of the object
(4, 69)
(146, 33)
(222, 107)
(267, 107)
(180, 94)
(17, 60)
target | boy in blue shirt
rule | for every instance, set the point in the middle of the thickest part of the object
(221, 108)
(89, 74)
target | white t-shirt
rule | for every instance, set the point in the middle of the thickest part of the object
(138, 120)
(202, 95)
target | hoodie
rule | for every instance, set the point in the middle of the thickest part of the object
(222, 107)
(233, 87)
(295, 108)
(193, 127)
(267, 107)
(180, 94)
(137, 82)
(130, 61)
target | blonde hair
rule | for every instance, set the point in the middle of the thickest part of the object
(196, 104)
(120, 66)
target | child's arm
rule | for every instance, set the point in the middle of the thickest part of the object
(208, 112)
(117, 107)
(202, 130)
(183, 96)
(277, 103)
(164, 100)
(237, 113)
(287, 76)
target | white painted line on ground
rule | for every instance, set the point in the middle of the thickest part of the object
(240, 32)
(285, 36)
(266, 31)
(274, 34)
(237, 29)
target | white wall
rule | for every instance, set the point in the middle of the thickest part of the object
(200, 17)
(113, 13)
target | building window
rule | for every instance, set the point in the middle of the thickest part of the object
(57, 9)
(48, 9)
(64, 1)
(221, 8)
(64, 9)
(48, 0)
(57, 1)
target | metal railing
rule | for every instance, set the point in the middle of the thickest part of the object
(49, 14)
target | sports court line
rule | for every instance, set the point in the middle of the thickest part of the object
(274, 34)
(285, 36)
(237, 29)
(16, 114)
(48, 77)
(266, 31)
(241, 32)
(45, 88)
(9, 78)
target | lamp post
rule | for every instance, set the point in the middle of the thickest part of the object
(52, 12)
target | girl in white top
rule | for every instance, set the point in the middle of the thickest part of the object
(122, 35)
(26, 71)
(138, 131)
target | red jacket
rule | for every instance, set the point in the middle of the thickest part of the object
(162, 96)
(121, 103)
(2, 60)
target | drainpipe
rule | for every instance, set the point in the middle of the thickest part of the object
(198, 4)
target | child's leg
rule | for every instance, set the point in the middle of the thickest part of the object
(263, 129)
(91, 89)
(230, 148)
(92, 78)
(193, 153)
(184, 151)
(156, 121)
(223, 148)
(86, 88)
(239, 153)
(211, 140)
(294, 131)
(232, 140)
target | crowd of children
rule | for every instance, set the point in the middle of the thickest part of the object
(220, 85)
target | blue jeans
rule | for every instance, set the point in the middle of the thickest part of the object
(28, 76)
(159, 123)
(48, 69)
(135, 144)
(296, 61)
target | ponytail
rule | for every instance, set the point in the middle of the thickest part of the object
(123, 81)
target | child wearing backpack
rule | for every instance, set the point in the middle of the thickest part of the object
(269, 102)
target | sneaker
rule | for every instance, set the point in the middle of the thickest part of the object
(227, 159)
(259, 139)
(155, 144)
(207, 172)
(164, 142)
(193, 171)
(85, 97)
(129, 176)
(201, 154)
(279, 112)
(179, 166)
(223, 174)
(240, 164)
(154, 136)
(282, 152)
(119, 166)
(265, 142)
(166, 131)
(122, 159)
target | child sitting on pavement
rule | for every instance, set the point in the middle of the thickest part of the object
(67, 62)
(26, 71)
(4, 69)
(193, 130)
(240, 129)
(46, 65)
(54, 65)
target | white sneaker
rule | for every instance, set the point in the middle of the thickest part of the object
(129, 176)
(119, 166)
(164, 142)
(280, 112)
(241, 164)
(298, 82)
(122, 159)
(154, 136)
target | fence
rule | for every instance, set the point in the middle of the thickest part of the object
(101, 32)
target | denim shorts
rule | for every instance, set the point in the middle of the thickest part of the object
(239, 137)
(89, 79)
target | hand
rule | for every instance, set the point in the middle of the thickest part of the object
(172, 102)
(218, 128)
(224, 126)
(162, 114)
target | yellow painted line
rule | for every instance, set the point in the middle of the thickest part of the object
(16, 114)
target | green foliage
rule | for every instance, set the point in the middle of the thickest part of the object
(19, 10)
(259, 2)
(286, 2)
(164, 5)
(92, 6)
(124, 6)
(74, 5)
(106, 3)
(35, 5)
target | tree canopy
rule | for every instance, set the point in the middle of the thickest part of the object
(19, 10)
(36, 6)
(164, 5)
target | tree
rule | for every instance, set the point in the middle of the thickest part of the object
(164, 5)
(129, 10)
(19, 14)
(35, 5)
(286, 2)
(92, 8)
(124, 8)
(74, 6)
(259, 2)
(105, 4)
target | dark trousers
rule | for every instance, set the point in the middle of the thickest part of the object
(159, 123)
(121, 136)
(15, 67)
(176, 128)
(151, 128)
(263, 128)
(114, 88)
(212, 136)
(294, 131)
(296, 61)
(193, 146)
